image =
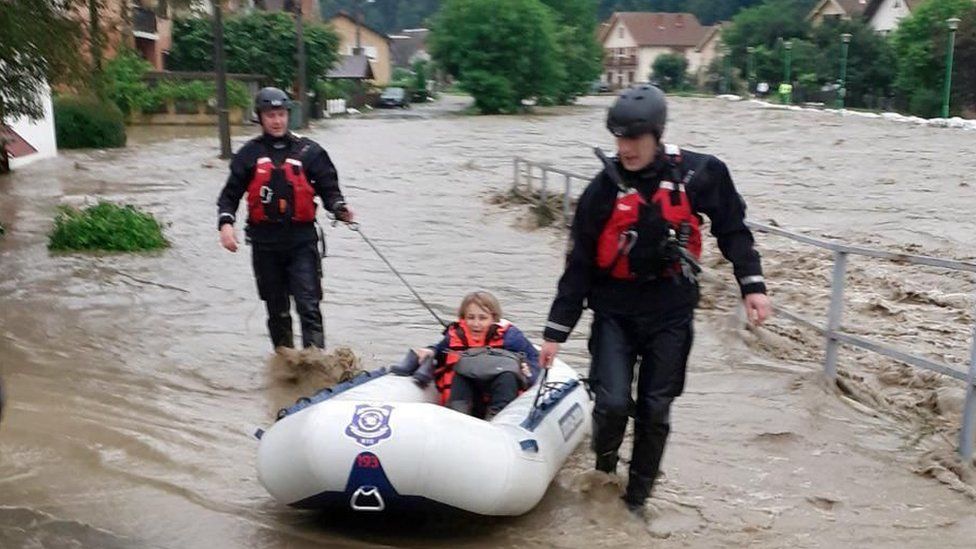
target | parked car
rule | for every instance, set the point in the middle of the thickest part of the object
(599, 87)
(394, 97)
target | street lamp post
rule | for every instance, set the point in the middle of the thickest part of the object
(223, 124)
(787, 58)
(953, 24)
(786, 87)
(751, 67)
(845, 41)
(302, 84)
(727, 68)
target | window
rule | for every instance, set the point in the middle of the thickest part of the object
(620, 32)
(630, 77)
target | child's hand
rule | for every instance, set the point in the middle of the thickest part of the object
(423, 353)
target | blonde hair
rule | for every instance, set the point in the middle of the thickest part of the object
(484, 300)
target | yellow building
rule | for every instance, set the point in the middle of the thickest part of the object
(375, 46)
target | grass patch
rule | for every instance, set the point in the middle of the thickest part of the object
(106, 226)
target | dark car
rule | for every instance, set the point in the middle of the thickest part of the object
(599, 87)
(394, 97)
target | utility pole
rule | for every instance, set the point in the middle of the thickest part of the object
(223, 123)
(302, 85)
(845, 41)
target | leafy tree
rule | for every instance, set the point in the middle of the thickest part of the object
(259, 42)
(964, 64)
(766, 24)
(870, 60)
(39, 43)
(580, 53)
(501, 51)
(920, 43)
(669, 71)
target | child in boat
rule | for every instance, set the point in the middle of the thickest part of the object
(479, 345)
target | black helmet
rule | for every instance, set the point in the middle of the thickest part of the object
(638, 110)
(270, 98)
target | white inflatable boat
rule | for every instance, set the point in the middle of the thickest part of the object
(380, 443)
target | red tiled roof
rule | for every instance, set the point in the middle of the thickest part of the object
(16, 146)
(661, 29)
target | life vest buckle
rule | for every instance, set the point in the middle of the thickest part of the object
(266, 194)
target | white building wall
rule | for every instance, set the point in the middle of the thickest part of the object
(645, 60)
(889, 13)
(40, 134)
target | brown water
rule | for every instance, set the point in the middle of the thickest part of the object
(135, 382)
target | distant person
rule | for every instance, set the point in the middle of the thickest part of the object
(480, 327)
(281, 173)
(635, 242)
(762, 89)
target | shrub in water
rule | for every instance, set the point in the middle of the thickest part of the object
(85, 122)
(106, 226)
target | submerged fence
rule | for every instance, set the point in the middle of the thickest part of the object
(535, 180)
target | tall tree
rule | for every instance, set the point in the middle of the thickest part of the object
(502, 51)
(257, 42)
(39, 44)
(920, 43)
(580, 53)
(964, 67)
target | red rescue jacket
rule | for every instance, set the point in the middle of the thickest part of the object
(635, 217)
(459, 339)
(278, 193)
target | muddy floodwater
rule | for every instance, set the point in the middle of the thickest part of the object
(135, 382)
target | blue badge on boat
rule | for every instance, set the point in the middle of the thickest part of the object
(370, 424)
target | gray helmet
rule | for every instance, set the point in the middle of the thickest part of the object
(638, 110)
(270, 98)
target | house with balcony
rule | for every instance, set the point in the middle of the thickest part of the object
(633, 40)
(152, 31)
(143, 25)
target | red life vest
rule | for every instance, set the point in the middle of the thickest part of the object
(668, 209)
(277, 193)
(459, 339)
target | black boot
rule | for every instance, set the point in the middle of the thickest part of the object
(607, 462)
(649, 441)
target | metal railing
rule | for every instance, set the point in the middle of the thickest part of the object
(525, 176)
(832, 331)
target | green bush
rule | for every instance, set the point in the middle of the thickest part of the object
(123, 81)
(335, 89)
(86, 122)
(106, 226)
(492, 93)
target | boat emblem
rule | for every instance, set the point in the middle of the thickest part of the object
(367, 498)
(370, 424)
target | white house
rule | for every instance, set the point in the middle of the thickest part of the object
(633, 40)
(31, 141)
(884, 15)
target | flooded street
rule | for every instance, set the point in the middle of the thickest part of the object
(135, 382)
